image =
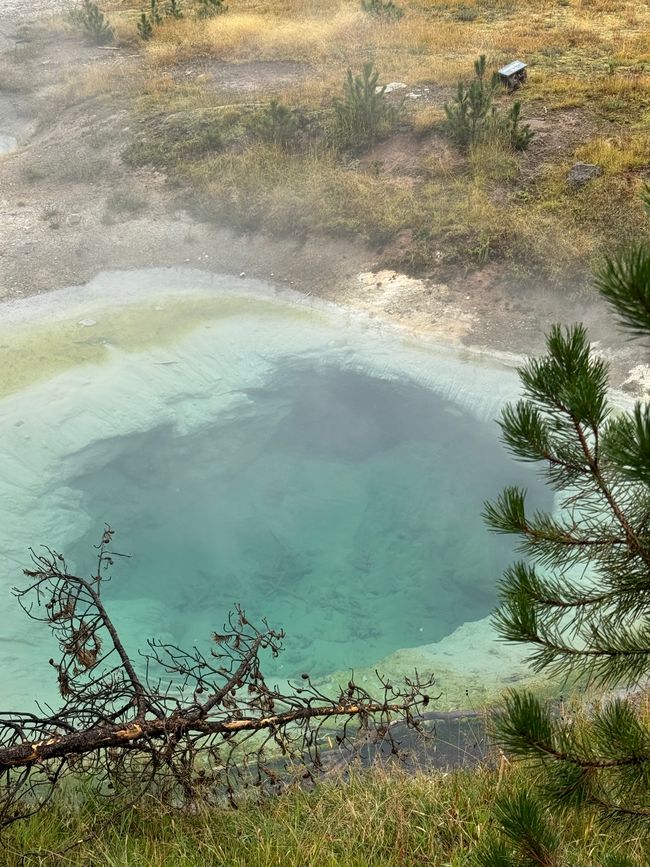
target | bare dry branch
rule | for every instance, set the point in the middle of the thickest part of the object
(185, 724)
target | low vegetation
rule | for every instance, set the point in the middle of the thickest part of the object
(363, 114)
(93, 22)
(276, 124)
(385, 9)
(472, 116)
(498, 192)
(383, 818)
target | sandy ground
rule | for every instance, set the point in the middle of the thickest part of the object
(60, 226)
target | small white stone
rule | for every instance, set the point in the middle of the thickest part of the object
(243, 274)
(88, 323)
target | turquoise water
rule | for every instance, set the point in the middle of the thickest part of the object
(324, 471)
(343, 507)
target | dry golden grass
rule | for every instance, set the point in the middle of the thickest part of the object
(426, 118)
(616, 155)
(378, 818)
(430, 43)
(272, 191)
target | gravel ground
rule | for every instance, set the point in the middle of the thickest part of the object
(13, 13)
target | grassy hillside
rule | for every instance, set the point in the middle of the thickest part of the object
(422, 202)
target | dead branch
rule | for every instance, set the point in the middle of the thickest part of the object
(183, 723)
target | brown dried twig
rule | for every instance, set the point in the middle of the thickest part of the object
(182, 723)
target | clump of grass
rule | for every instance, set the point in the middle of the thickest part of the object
(426, 120)
(32, 174)
(123, 203)
(465, 13)
(166, 141)
(298, 194)
(493, 160)
(616, 155)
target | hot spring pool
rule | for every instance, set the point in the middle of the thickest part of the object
(325, 474)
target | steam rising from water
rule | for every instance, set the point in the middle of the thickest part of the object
(325, 474)
(7, 143)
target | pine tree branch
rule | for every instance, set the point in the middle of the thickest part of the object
(525, 727)
(633, 541)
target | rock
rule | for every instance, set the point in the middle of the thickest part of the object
(581, 173)
(88, 323)
(638, 380)
(393, 85)
(73, 219)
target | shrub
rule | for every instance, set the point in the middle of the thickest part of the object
(174, 9)
(465, 13)
(276, 124)
(145, 27)
(210, 8)
(472, 117)
(385, 9)
(519, 134)
(93, 22)
(363, 114)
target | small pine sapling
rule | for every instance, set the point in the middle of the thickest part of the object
(145, 27)
(210, 8)
(363, 114)
(386, 10)
(519, 134)
(147, 22)
(94, 23)
(276, 124)
(154, 13)
(471, 113)
(174, 9)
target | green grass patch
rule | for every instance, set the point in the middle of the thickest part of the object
(376, 819)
